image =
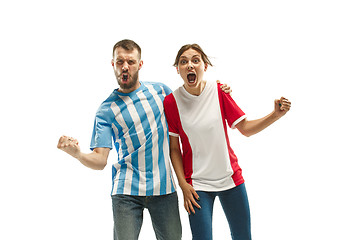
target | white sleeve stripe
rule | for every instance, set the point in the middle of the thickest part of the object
(237, 121)
(174, 134)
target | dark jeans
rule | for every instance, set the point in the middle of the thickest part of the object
(164, 213)
(236, 208)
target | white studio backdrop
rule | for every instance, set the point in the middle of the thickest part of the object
(301, 173)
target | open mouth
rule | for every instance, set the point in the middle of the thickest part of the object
(191, 77)
(125, 77)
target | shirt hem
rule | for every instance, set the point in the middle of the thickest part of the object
(218, 189)
(143, 195)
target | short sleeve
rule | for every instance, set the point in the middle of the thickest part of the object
(102, 132)
(171, 113)
(167, 90)
(232, 112)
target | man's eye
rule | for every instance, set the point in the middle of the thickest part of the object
(120, 62)
(131, 62)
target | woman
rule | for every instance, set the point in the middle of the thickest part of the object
(205, 165)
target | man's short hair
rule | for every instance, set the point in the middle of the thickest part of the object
(128, 45)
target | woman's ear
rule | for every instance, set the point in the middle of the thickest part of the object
(206, 66)
(177, 69)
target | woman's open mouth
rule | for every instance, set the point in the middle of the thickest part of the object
(191, 77)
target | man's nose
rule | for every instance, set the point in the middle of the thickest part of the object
(125, 67)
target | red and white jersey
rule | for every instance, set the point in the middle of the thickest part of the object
(200, 121)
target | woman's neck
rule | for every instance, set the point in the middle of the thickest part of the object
(196, 90)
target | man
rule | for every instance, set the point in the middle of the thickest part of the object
(133, 115)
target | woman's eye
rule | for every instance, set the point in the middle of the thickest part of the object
(183, 62)
(196, 60)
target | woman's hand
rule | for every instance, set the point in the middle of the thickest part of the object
(282, 106)
(189, 198)
(225, 88)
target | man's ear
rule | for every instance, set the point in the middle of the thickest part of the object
(112, 62)
(140, 64)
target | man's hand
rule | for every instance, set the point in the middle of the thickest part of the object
(69, 145)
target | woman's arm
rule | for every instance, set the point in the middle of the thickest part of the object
(249, 128)
(96, 160)
(188, 190)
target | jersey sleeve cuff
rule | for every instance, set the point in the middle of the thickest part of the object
(93, 147)
(237, 121)
(174, 134)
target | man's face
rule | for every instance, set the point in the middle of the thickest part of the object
(126, 64)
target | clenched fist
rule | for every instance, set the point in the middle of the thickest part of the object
(69, 145)
(282, 106)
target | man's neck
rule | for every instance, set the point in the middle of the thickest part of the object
(129, 90)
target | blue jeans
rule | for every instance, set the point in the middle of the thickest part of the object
(164, 213)
(236, 208)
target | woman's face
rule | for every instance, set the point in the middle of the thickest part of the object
(191, 68)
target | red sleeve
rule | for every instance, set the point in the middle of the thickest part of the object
(230, 110)
(171, 113)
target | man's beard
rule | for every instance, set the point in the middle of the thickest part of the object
(132, 81)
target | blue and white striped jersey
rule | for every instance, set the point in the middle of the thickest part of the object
(137, 124)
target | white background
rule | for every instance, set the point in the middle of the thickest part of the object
(302, 173)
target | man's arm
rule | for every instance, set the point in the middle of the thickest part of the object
(249, 128)
(96, 160)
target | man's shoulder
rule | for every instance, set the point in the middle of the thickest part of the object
(111, 98)
(155, 84)
(105, 105)
(159, 85)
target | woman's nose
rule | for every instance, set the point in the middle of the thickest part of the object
(190, 66)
